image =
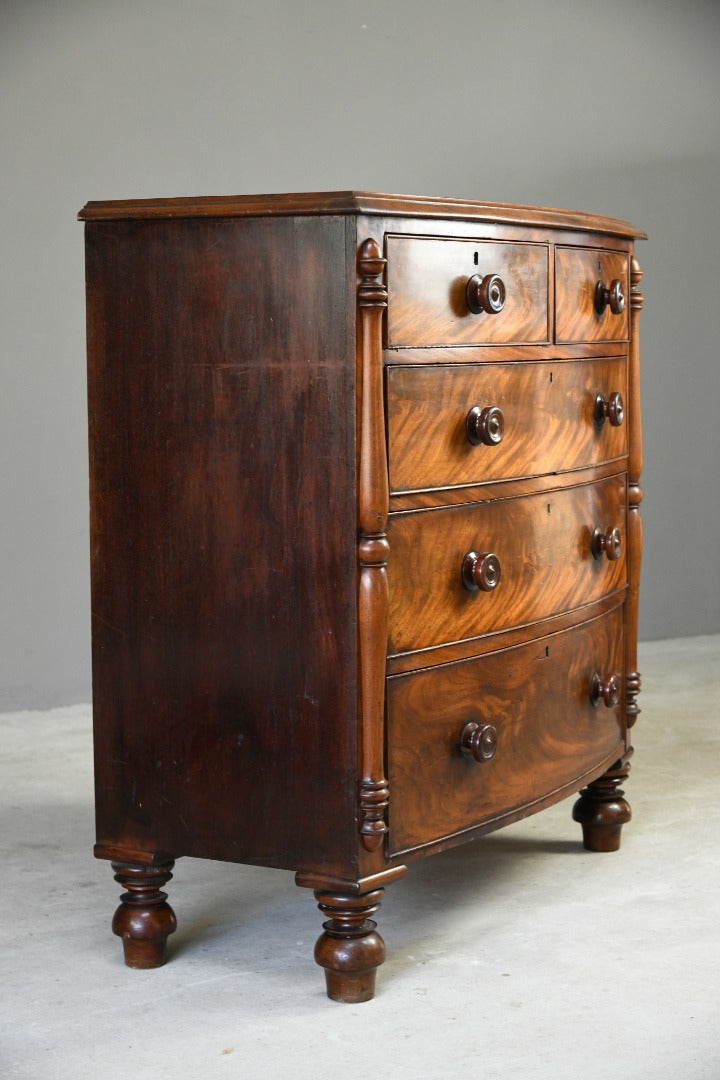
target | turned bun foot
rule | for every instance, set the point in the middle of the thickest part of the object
(350, 949)
(602, 811)
(144, 920)
(601, 823)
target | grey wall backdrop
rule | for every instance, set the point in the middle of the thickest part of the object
(609, 107)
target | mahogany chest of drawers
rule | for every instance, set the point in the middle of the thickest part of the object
(365, 538)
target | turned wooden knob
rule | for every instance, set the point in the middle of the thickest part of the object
(481, 571)
(607, 543)
(485, 425)
(611, 408)
(608, 692)
(485, 294)
(614, 296)
(478, 741)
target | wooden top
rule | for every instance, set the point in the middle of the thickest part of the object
(354, 202)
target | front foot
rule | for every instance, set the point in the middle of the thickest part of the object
(350, 949)
(144, 919)
(602, 811)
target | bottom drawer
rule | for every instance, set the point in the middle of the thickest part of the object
(544, 730)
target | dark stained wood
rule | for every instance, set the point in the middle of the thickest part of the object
(601, 809)
(373, 597)
(577, 273)
(635, 495)
(350, 949)
(365, 538)
(356, 202)
(144, 920)
(543, 545)
(548, 420)
(537, 697)
(218, 657)
(427, 292)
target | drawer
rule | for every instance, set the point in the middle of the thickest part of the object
(544, 546)
(579, 314)
(427, 292)
(546, 733)
(547, 421)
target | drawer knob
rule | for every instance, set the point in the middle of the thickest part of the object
(478, 741)
(614, 296)
(612, 409)
(485, 294)
(606, 543)
(481, 571)
(608, 692)
(485, 425)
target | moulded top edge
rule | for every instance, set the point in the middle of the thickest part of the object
(354, 202)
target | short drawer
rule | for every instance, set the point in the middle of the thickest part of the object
(549, 562)
(465, 424)
(591, 295)
(544, 730)
(428, 292)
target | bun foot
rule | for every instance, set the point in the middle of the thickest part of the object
(350, 949)
(144, 920)
(602, 825)
(602, 811)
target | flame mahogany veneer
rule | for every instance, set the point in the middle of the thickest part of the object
(365, 538)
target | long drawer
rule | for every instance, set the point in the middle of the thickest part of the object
(470, 423)
(549, 554)
(539, 716)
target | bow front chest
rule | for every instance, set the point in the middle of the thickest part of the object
(365, 538)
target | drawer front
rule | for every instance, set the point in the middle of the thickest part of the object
(427, 298)
(543, 543)
(547, 421)
(577, 274)
(536, 697)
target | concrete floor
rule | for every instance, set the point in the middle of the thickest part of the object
(520, 956)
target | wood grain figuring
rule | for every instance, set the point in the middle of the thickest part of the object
(577, 272)
(548, 412)
(427, 279)
(536, 697)
(365, 538)
(484, 492)
(448, 653)
(543, 543)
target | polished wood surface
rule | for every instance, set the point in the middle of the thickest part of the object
(373, 594)
(427, 292)
(536, 696)
(355, 203)
(543, 543)
(548, 414)
(577, 273)
(144, 920)
(635, 496)
(213, 394)
(365, 538)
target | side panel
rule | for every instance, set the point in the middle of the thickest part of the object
(222, 448)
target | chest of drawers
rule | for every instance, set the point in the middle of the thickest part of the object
(365, 538)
